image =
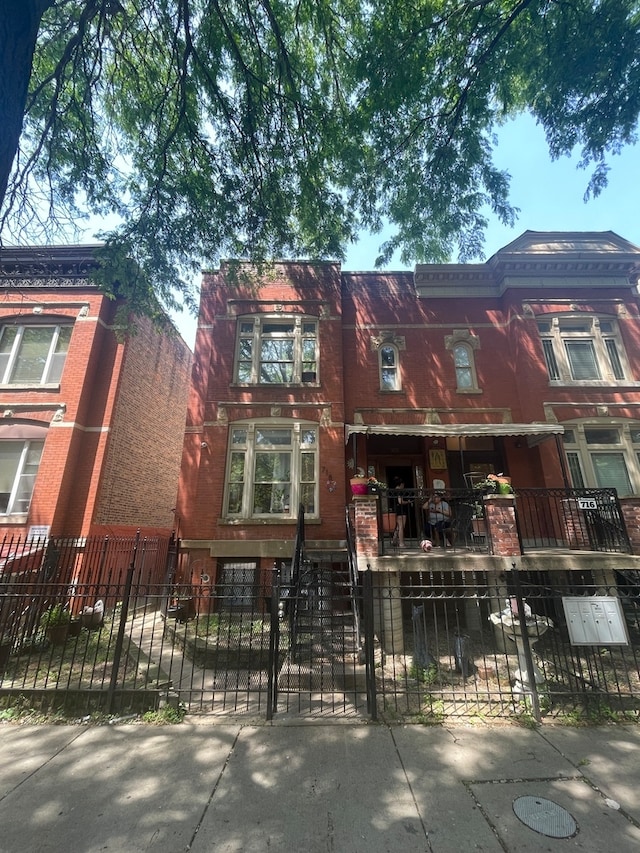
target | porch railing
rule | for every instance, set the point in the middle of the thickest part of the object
(467, 518)
(571, 519)
(577, 519)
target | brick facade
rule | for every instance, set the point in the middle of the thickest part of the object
(114, 420)
(501, 410)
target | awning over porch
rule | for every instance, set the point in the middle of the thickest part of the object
(535, 432)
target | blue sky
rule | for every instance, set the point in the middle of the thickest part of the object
(549, 195)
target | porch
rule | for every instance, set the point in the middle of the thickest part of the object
(531, 525)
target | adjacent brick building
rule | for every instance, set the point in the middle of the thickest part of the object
(91, 416)
(528, 364)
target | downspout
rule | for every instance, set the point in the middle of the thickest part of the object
(563, 462)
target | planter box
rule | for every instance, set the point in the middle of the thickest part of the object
(389, 521)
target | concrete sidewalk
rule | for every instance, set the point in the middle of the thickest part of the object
(313, 788)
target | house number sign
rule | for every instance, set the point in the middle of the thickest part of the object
(587, 503)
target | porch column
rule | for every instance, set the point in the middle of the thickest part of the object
(498, 593)
(365, 523)
(631, 514)
(387, 612)
(387, 604)
(500, 512)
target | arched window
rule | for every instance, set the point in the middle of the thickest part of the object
(463, 360)
(389, 368)
(462, 344)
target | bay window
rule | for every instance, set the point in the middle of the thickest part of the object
(272, 469)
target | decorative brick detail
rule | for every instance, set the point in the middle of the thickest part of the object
(500, 512)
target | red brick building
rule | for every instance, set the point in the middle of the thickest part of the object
(91, 419)
(528, 364)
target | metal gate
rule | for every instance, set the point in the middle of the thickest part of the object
(319, 665)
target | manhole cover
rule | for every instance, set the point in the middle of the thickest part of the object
(545, 817)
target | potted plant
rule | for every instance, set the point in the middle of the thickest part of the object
(374, 486)
(55, 621)
(359, 483)
(182, 604)
(93, 617)
(494, 484)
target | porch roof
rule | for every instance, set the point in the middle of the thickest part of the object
(535, 432)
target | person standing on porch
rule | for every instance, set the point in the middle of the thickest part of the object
(401, 508)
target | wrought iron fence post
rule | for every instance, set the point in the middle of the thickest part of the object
(370, 675)
(173, 553)
(124, 612)
(274, 644)
(526, 646)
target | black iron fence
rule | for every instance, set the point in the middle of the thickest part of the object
(562, 644)
(425, 646)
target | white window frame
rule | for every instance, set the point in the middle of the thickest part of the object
(581, 452)
(12, 357)
(254, 330)
(240, 480)
(390, 370)
(462, 346)
(464, 339)
(20, 476)
(558, 333)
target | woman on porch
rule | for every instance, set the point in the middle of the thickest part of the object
(438, 526)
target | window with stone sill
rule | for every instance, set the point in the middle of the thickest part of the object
(271, 470)
(583, 350)
(389, 366)
(277, 350)
(604, 455)
(462, 344)
(33, 354)
(463, 359)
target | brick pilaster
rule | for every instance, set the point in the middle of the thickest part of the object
(500, 513)
(366, 525)
(631, 513)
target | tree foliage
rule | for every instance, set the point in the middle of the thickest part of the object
(257, 128)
